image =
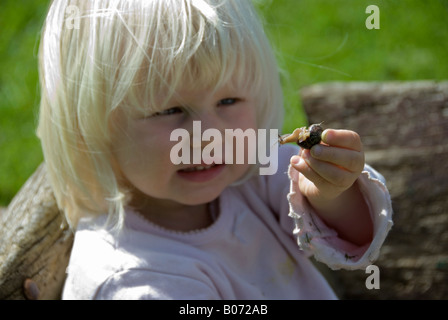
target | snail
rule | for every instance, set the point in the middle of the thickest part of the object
(304, 137)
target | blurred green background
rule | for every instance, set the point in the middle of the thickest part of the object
(316, 41)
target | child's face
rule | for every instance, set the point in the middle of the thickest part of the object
(142, 147)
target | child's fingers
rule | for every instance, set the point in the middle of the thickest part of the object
(318, 181)
(350, 160)
(342, 138)
(335, 175)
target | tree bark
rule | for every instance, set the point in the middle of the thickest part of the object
(35, 243)
(404, 129)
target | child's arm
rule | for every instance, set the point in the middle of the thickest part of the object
(328, 175)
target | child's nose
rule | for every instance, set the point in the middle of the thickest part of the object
(210, 120)
(203, 130)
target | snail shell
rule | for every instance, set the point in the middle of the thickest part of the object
(304, 137)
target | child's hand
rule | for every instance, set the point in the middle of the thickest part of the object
(331, 168)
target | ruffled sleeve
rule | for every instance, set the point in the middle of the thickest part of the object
(315, 237)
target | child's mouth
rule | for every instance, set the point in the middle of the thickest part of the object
(201, 173)
(198, 168)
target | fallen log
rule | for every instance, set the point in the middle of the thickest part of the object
(404, 128)
(35, 243)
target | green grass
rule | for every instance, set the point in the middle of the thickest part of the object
(316, 41)
(20, 154)
(326, 40)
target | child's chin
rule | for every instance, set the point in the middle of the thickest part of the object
(202, 197)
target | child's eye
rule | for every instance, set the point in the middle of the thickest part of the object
(169, 111)
(227, 101)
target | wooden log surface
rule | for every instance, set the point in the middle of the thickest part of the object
(35, 243)
(404, 128)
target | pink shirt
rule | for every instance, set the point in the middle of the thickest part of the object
(250, 252)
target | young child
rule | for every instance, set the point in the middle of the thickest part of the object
(117, 78)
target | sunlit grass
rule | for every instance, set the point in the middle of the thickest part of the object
(326, 40)
(316, 41)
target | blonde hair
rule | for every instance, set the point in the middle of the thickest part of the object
(122, 53)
